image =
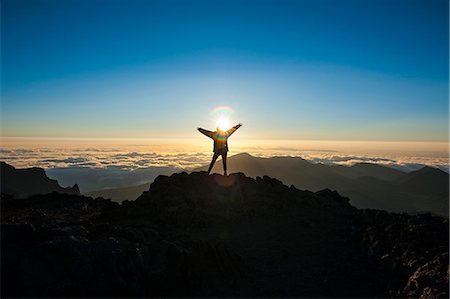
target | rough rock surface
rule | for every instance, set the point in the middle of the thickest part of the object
(194, 235)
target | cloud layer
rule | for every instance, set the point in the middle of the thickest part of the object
(100, 168)
(47, 158)
(130, 160)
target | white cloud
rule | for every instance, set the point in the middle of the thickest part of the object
(100, 158)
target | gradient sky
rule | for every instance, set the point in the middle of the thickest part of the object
(339, 70)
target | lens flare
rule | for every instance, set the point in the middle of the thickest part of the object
(222, 111)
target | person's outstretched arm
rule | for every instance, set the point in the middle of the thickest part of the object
(206, 132)
(231, 131)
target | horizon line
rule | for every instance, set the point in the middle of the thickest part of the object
(198, 138)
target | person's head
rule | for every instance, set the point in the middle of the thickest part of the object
(218, 129)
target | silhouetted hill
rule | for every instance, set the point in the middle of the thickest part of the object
(21, 183)
(120, 194)
(367, 185)
(373, 170)
(194, 235)
(426, 181)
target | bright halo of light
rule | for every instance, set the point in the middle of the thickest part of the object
(223, 123)
(222, 116)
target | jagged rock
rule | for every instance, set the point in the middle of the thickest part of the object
(429, 280)
(198, 200)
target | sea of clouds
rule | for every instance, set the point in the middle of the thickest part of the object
(100, 168)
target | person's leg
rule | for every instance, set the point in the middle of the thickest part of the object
(224, 161)
(214, 158)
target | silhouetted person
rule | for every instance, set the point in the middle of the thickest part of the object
(220, 144)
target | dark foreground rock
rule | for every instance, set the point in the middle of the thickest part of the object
(193, 235)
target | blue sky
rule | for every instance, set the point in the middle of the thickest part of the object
(345, 70)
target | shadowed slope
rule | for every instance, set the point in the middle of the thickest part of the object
(120, 194)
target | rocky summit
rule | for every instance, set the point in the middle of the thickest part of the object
(199, 235)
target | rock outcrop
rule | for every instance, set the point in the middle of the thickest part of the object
(21, 183)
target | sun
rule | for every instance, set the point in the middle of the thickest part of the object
(223, 123)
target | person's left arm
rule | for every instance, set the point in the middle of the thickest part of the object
(233, 129)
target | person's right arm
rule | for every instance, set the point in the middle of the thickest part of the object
(206, 132)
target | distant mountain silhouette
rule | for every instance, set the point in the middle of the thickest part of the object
(120, 194)
(367, 185)
(98, 179)
(425, 181)
(194, 235)
(25, 182)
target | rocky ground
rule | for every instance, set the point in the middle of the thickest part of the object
(193, 235)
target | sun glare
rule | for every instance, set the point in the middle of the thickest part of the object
(223, 123)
